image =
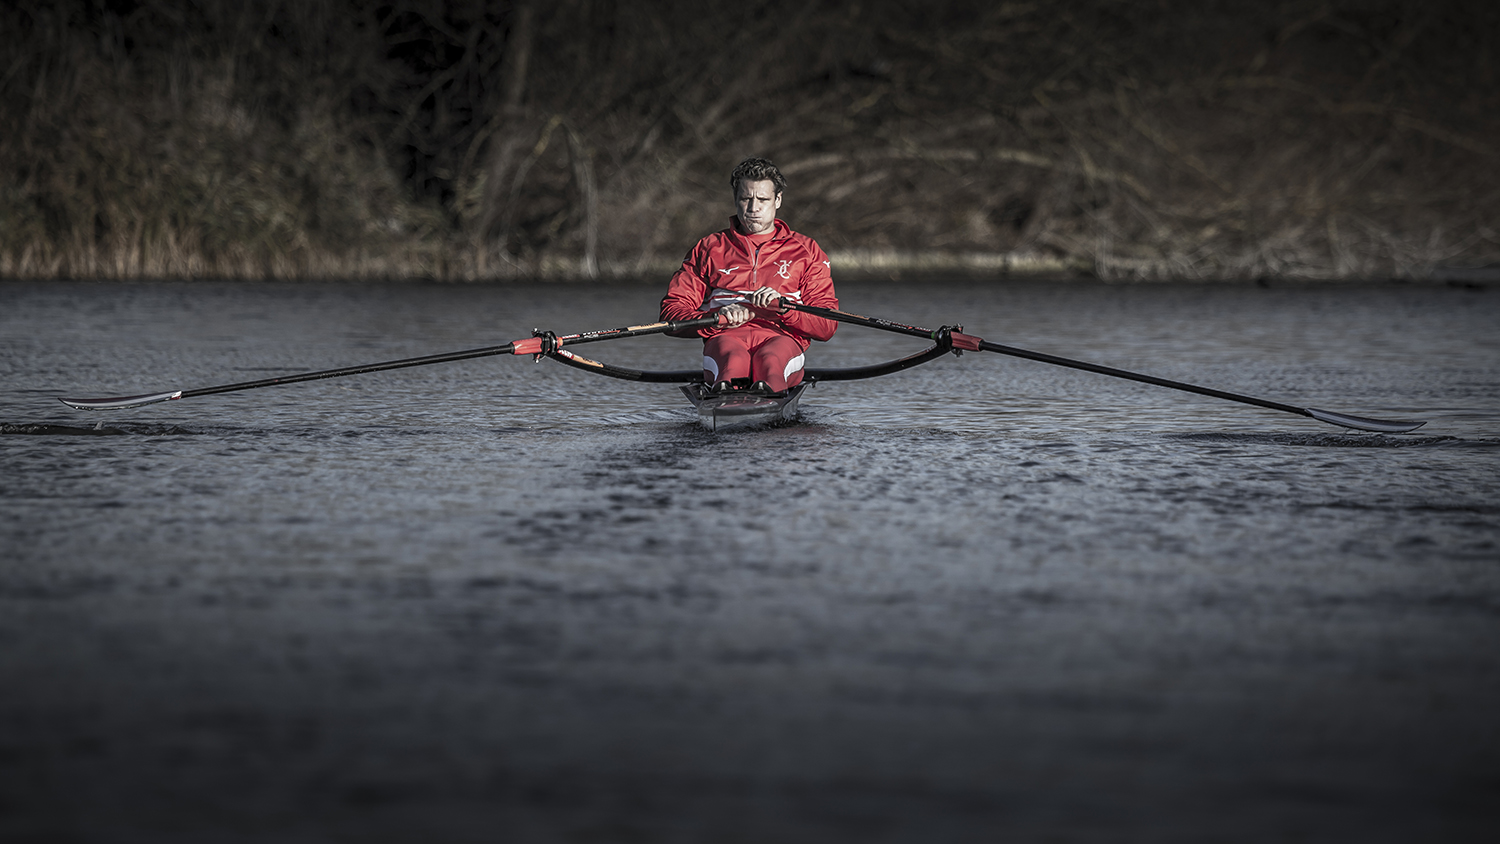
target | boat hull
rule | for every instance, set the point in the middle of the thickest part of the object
(737, 409)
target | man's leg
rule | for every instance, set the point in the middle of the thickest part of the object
(778, 362)
(726, 357)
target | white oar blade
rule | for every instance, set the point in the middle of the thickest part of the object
(1361, 423)
(119, 402)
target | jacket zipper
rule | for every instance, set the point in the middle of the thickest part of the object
(755, 264)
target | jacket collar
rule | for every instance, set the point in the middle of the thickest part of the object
(779, 231)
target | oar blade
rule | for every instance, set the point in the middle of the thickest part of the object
(120, 402)
(1362, 423)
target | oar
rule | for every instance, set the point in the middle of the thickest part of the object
(974, 344)
(543, 343)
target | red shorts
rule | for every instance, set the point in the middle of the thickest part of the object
(753, 352)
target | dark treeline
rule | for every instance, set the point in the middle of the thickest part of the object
(343, 138)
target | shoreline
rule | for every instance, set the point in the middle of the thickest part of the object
(851, 265)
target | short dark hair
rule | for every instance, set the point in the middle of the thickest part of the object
(756, 170)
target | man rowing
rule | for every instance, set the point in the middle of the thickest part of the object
(742, 273)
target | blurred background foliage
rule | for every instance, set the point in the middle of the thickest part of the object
(470, 140)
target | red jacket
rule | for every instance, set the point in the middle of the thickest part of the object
(726, 266)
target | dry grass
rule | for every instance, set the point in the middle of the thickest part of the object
(469, 140)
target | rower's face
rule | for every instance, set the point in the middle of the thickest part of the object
(757, 203)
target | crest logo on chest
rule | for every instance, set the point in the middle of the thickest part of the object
(785, 270)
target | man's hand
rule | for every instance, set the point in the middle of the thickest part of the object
(735, 315)
(765, 298)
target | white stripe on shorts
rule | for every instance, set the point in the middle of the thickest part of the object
(793, 365)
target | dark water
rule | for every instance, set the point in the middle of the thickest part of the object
(984, 600)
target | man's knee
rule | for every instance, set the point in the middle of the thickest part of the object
(779, 364)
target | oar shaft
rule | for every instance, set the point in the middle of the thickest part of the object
(531, 345)
(972, 343)
(528, 346)
(987, 346)
(508, 348)
(857, 319)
